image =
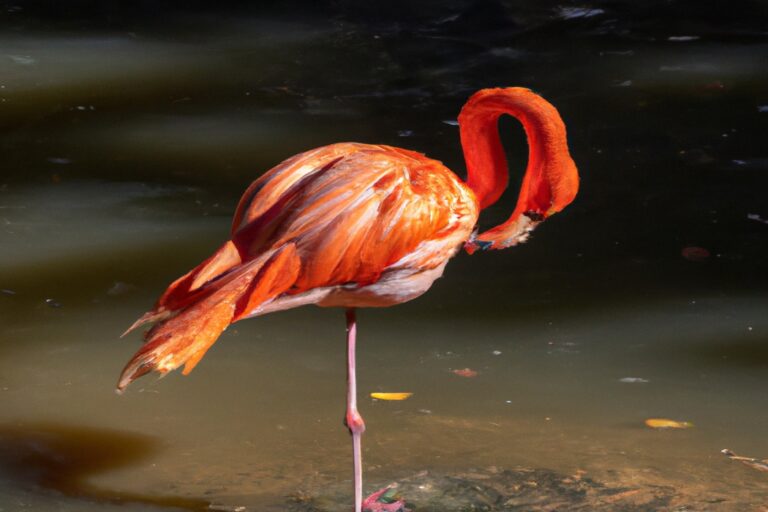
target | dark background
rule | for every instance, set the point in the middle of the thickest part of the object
(662, 102)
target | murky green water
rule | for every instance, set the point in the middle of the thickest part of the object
(126, 143)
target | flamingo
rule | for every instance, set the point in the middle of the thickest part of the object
(359, 225)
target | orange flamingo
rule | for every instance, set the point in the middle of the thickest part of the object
(359, 225)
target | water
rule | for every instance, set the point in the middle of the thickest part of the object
(126, 143)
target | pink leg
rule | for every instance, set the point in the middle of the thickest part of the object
(353, 419)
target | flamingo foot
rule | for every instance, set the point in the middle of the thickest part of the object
(385, 500)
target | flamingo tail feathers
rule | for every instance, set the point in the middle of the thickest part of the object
(190, 287)
(184, 336)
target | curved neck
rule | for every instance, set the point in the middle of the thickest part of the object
(551, 179)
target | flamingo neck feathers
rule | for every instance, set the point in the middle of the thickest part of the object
(551, 178)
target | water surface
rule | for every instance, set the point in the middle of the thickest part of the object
(126, 144)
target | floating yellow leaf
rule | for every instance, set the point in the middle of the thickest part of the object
(390, 396)
(665, 423)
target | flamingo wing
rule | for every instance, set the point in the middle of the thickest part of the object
(338, 216)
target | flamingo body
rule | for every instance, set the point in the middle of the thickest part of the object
(352, 225)
(371, 223)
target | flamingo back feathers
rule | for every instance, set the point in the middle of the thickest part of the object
(360, 211)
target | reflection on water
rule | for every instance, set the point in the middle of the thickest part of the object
(126, 145)
(63, 458)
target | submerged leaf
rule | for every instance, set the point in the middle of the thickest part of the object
(465, 372)
(695, 253)
(391, 396)
(665, 423)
